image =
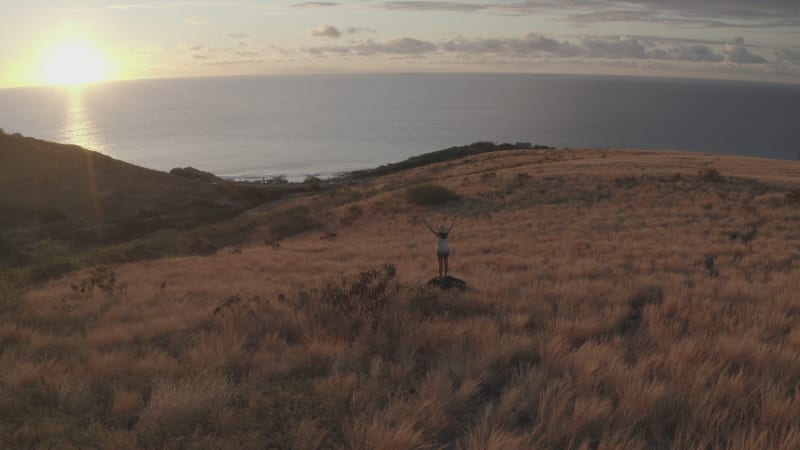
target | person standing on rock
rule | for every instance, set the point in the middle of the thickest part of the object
(442, 245)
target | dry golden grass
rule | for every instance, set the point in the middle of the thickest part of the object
(619, 301)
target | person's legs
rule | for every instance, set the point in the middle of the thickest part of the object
(441, 262)
(446, 258)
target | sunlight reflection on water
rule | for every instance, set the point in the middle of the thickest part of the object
(78, 128)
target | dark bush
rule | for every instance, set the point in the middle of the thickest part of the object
(430, 194)
(745, 236)
(486, 176)
(291, 222)
(518, 182)
(353, 213)
(103, 278)
(313, 182)
(7, 245)
(627, 182)
(348, 306)
(280, 179)
(50, 258)
(710, 174)
(193, 174)
(792, 197)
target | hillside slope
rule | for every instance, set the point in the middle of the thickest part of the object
(40, 178)
(80, 198)
(620, 299)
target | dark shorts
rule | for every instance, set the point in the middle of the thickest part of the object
(442, 255)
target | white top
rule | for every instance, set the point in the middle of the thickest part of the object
(442, 245)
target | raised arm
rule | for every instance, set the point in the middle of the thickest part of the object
(452, 224)
(429, 227)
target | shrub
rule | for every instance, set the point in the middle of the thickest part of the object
(430, 194)
(710, 174)
(7, 247)
(103, 278)
(627, 182)
(518, 182)
(745, 236)
(314, 183)
(50, 258)
(487, 176)
(279, 179)
(8, 296)
(348, 306)
(291, 222)
(353, 213)
(792, 197)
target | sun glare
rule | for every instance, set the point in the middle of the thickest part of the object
(73, 64)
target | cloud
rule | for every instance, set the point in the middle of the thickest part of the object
(623, 47)
(422, 5)
(168, 5)
(403, 46)
(783, 10)
(737, 52)
(706, 13)
(535, 45)
(310, 5)
(639, 48)
(674, 40)
(330, 31)
(694, 53)
(238, 35)
(649, 16)
(356, 30)
(788, 55)
(232, 62)
(194, 47)
(610, 47)
(126, 6)
(531, 44)
(195, 20)
(326, 31)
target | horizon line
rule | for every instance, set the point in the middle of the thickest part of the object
(687, 77)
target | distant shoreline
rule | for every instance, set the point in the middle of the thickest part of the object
(450, 153)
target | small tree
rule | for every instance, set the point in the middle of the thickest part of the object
(710, 174)
(430, 194)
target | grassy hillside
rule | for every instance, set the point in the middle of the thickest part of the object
(48, 182)
(59, 199)
(619, 299)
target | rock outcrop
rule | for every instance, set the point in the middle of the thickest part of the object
(448, 282)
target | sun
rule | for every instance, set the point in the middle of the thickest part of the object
(74, 63)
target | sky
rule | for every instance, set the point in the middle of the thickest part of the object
(129, 39)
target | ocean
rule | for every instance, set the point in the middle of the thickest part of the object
(254, 127)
